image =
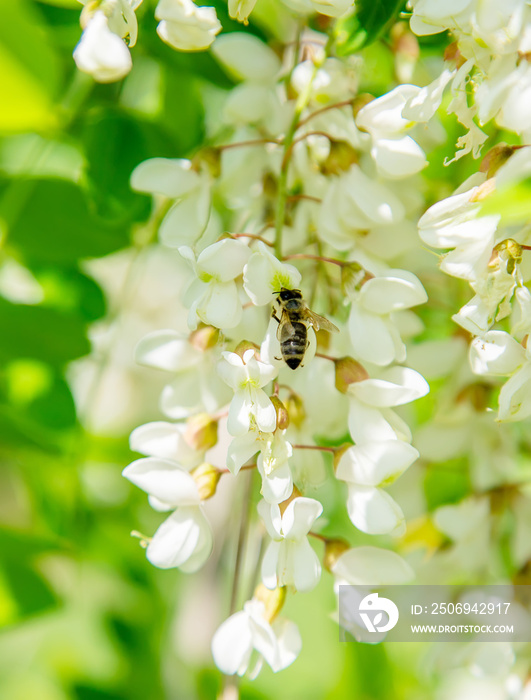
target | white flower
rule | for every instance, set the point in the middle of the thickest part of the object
(497, 353)
(454, 223)
(188, 217)
(289, 558)
(196, 386)
(213, 297)
(370, 416)
(101, 52)
(185, 26)
(273, 461)
(184, 540)
(396, 154)
(366, 468)
(165, 440)
(246, 377)
(264, 275)
(373, 334)
(235, 640)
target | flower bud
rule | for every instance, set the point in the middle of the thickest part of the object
(201, 432)
(204, 338)
(206, 478)
(348, 371)
(281, 411)
(272, 600)
(340, 158)
(295, 408)
(333, 550)
(245, 345)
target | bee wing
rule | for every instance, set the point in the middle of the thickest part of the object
(285, 327)
(321, 323)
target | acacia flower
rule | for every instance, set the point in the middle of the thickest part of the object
(184, 540)
(246, 376)
(176, 179)
(278, 642)
(273, 461)
(213, 297)
(373, 334)
(366, 468)
(185, 26)
(371, 417)
(101, 52)
(196, 385)
(264, 274)
(289, 558)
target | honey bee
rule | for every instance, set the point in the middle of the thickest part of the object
(292, 332)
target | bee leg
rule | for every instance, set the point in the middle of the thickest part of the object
(277, 358)
(273, 315)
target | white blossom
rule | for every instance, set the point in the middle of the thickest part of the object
(185, 26)
(101, 52)
(278, 643)
(176, 179)
(289, 558)
(184, 540)
(213, 296)
(366, 468)
(246, 376)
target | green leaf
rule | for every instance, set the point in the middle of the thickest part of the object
(365, 25)
(512, 203)
(50, 221)
(41, 333)
(29, 70)
(30, 591)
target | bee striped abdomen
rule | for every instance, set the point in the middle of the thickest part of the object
(294, 345)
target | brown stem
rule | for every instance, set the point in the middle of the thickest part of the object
(295, 197)
(314, 447)
(320, 258)
(318, 536)
(251, 142)
(326, 357)
(255, 236)
(337, 105)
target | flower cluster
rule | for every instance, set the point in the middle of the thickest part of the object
(307, 199)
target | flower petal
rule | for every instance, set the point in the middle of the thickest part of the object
(306, 566)
(376, 463)
(164, 479)
(178, 538)
(232, 644)
(373, 511)
(166, 350)
(168, 176)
